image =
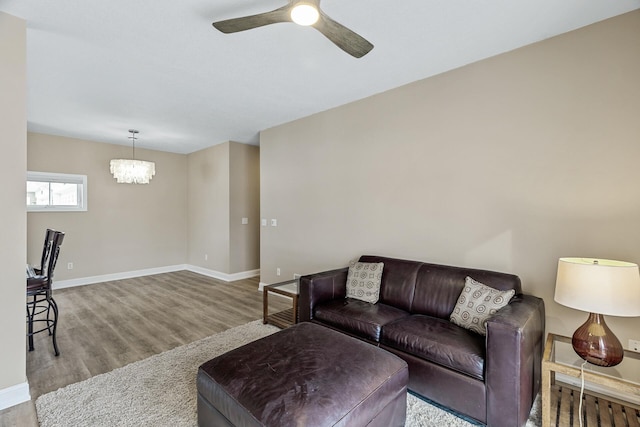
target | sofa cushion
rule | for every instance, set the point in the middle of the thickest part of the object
(358, 317)
(363, 281)
(477, 303)
(438, 287)
(437, 290)
(438, 341)
(398, 280)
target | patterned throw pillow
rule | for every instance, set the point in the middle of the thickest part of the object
(363, 281)
(476, 304)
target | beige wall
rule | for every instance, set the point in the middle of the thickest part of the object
(13, 122)
(244, 196)
(208, 178)
(127, 227)
(506, 164)
(223, 189)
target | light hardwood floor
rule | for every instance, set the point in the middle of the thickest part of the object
(108, 325)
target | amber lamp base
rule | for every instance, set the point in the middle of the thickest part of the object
(595, 343)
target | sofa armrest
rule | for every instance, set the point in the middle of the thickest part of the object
(515, 342)
(318, 288)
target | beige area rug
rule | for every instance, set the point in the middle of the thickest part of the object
(161, 390)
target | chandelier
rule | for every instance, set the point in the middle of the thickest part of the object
(131, 171)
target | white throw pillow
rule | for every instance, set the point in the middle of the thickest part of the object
(476, 304)
(363, 281)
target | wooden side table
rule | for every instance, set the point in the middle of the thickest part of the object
(601, 410)
(282, 319)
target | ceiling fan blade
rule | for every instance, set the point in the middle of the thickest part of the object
(234, 25)
(347, 40)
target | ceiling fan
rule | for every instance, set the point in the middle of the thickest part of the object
(307, 13)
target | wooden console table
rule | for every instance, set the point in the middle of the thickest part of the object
(282, 319)
(598, 408)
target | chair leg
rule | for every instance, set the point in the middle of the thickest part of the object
(52, 324)
(48, 315)
(52, 303)
(30, 315)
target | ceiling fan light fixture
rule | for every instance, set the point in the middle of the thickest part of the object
(304, 14)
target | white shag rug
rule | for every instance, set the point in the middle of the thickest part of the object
(161, 390)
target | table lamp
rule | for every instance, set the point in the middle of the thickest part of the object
(599, 287)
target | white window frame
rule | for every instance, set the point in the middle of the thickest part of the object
(80, 180)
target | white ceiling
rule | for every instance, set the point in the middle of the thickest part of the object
(97, 68)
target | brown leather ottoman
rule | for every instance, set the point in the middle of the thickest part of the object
(306, 375)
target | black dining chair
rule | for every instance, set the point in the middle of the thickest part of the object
(46, 251)
(40, 302)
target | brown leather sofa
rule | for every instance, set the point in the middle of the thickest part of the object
(492, 379)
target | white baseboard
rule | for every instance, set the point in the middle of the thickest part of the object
(60, 284)
(14, 395)
(223, 276)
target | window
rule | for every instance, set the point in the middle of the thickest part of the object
(56, 192)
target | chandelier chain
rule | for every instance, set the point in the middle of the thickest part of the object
(133, 140)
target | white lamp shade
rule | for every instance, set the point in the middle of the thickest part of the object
(599, 286)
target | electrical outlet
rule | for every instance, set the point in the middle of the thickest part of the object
(634, 345)
(69, 266)
(278, 271)
(206, 257)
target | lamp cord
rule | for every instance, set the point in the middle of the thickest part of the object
(581, 391)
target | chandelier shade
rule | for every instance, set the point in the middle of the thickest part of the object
(129, 171)
(132, 171)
